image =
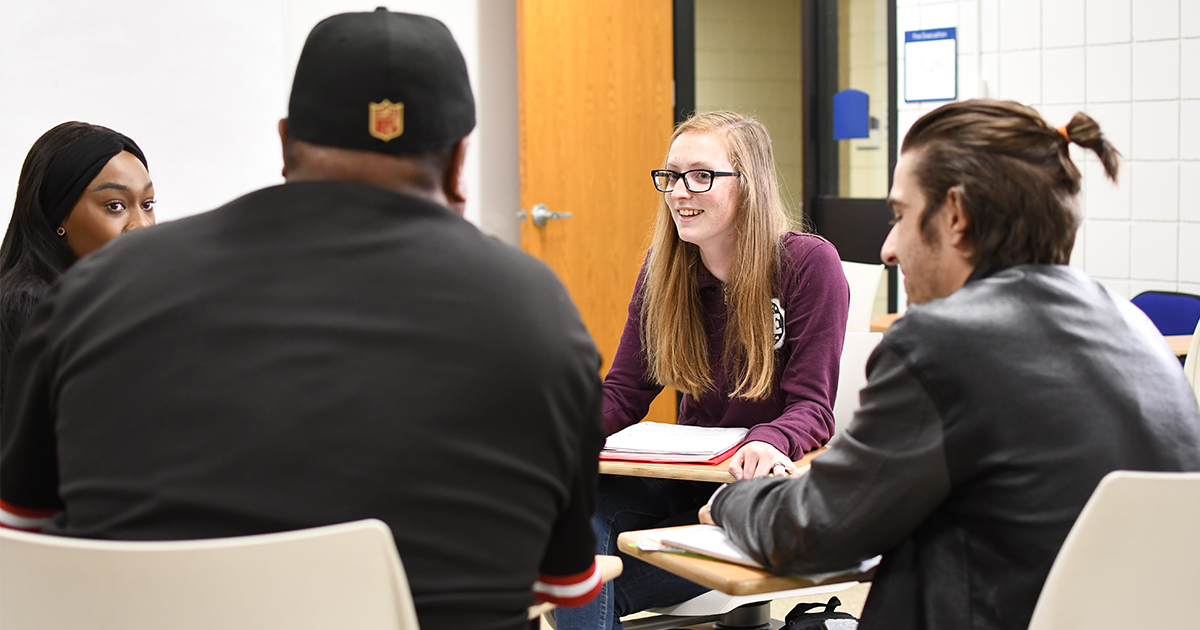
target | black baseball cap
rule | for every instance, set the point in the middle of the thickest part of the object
(381, 81)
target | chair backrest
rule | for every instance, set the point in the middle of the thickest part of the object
(1130, 560)
(340, 576)
(864, 284)
(1172, 313)
(853, 375)
(1191, 365)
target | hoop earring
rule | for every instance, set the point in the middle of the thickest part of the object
(60, 231)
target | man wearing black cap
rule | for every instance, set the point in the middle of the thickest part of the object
(343, 346)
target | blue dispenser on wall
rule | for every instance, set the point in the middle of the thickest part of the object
(851, 117)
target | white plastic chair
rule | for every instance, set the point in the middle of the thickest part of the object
(1191, 365)
(340, 576)
(853, 375)
(1130, 560)
(864, 285)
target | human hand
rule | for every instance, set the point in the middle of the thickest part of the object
(759, 459)
(705, 516)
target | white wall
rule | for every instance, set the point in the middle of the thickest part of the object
(1134, 66)
(201, 86)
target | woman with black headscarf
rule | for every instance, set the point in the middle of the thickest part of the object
(81, 186)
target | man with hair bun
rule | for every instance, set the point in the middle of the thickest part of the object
(993, 408)
(340, 347)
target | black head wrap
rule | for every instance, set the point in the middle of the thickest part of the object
(73, 168)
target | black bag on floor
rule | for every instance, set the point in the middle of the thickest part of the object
(828, 619)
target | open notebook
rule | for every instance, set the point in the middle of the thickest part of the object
(659, 442)
(707, 540)
(712, 542)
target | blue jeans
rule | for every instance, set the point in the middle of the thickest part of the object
(631, 503)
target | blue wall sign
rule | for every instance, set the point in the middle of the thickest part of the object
(930, 65)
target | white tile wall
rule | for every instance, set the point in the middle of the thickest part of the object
(1189, 252)
(1134, 66)
(1189, 194)
(1107, 21)
(1189, 19)
(1020, 25)
(990, 29)
(939, 15)
(968, 31)
(1157, 19)
(1061, 25)
(1155, 191)
(1139, 286)
(1021, 76)
(1153, 249)
(1189, 129)
(968, 76)
(991, 73)
(1189, 59)
(1107, 253)
(1108, 73)
(1062, 81)
(1156, 70)
(1155, 130)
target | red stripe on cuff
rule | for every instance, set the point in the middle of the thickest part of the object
(565, 590)
(26, 512)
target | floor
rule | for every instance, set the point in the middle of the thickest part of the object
(852, 602)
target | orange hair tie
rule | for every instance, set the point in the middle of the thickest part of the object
(1063, 131)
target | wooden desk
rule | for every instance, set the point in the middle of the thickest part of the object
(728, 578)
(1180, 344)
(880, 323)
(610, 568)
(717, 473)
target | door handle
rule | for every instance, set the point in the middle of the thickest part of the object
(541, 214)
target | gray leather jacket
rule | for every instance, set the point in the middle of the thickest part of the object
(988, 418)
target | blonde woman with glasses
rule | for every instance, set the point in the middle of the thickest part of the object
(742, 316)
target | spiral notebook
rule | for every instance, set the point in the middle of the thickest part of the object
(672, 443)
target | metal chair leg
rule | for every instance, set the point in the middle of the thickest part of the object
(748, 617)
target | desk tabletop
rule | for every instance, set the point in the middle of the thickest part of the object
(880, 323)
(726, 577)
(716, 473)
(1180, 344)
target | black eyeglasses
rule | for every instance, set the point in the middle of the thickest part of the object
(699, 180)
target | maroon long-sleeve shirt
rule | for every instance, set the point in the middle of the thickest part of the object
(810, 322)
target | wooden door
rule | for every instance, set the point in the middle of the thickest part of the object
(596, 103)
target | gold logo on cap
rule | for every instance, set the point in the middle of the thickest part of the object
(386, 120)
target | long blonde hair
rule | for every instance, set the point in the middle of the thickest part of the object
(673, 320)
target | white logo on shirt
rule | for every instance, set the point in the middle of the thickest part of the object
(777, 312)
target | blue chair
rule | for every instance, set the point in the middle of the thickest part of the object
(1172, 313)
